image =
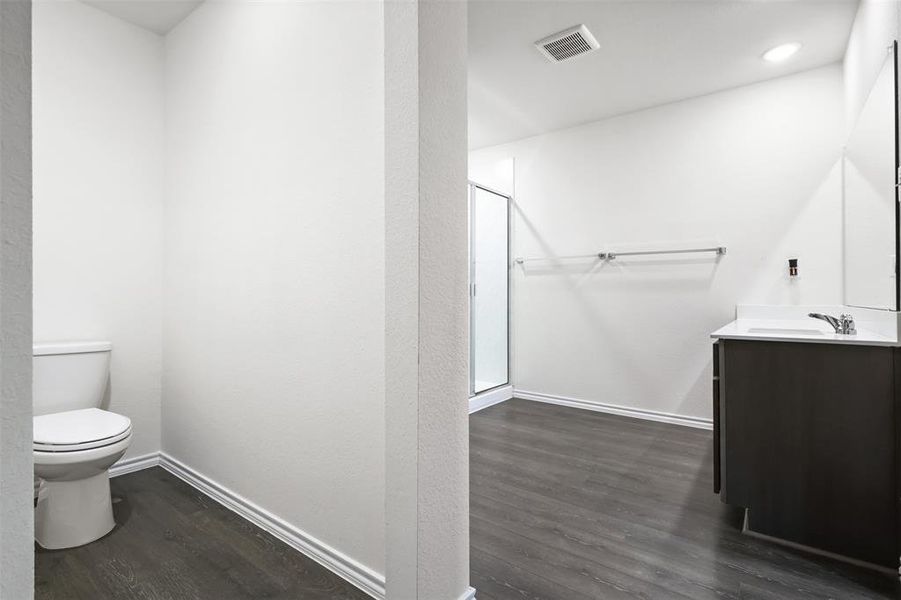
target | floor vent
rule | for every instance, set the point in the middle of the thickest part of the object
(568, 43)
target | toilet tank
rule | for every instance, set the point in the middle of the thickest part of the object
(69, 375)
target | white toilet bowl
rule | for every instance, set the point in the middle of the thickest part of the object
(73, 452)
(75, 444)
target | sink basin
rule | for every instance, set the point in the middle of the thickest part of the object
(785, 331)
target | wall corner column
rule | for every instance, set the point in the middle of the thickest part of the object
(427, 324)
(16, 458)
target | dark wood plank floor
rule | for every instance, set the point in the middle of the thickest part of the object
(171, 542)
(568, 504)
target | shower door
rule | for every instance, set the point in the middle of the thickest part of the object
(488, 288)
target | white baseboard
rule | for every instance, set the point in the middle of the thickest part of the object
(136, 463)
(469, 594)
(339, 563)
(613, 409)
(490, 398)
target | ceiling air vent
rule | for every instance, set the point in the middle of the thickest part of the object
(567, 43)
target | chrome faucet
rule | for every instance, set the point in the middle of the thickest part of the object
(843, 324)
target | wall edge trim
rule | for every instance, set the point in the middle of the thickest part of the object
(490, 398)
(469, 594)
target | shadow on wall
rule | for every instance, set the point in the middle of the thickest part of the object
(629, 275)
(620, 267)
(802, 234)
(595, 317)
(107, 393)
(700, 388)
(654, 272)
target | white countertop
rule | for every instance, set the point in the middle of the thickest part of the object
(806, 330)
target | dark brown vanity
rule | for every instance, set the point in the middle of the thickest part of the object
(806, 438)
(807, 416)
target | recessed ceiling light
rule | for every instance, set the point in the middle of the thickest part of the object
(780, 53)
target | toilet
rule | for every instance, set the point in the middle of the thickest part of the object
(75, 443)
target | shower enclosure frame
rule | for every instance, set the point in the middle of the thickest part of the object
(473, 187)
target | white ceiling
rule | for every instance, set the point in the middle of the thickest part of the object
(159, 16)
(651, 53)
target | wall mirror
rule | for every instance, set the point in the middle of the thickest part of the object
(870, 197)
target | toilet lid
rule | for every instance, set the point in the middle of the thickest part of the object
(79, 430)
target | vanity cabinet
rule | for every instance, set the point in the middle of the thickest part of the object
(806, 438)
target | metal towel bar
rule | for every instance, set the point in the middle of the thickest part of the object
(719, 250)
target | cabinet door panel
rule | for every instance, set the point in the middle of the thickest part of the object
(810, 434)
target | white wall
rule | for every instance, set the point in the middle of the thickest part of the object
(755, 168)
(16, 454)
(274, 360)
(98, 185)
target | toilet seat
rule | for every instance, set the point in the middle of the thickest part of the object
(79, 430)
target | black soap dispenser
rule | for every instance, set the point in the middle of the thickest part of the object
(793, 267)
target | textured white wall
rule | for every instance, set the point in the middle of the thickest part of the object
(16, 470)
(755, 168)
(402, 317)
(443, 304)
(274, 361)
(98, 193)
(427, 508)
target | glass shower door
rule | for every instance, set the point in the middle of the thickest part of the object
(489, 289)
